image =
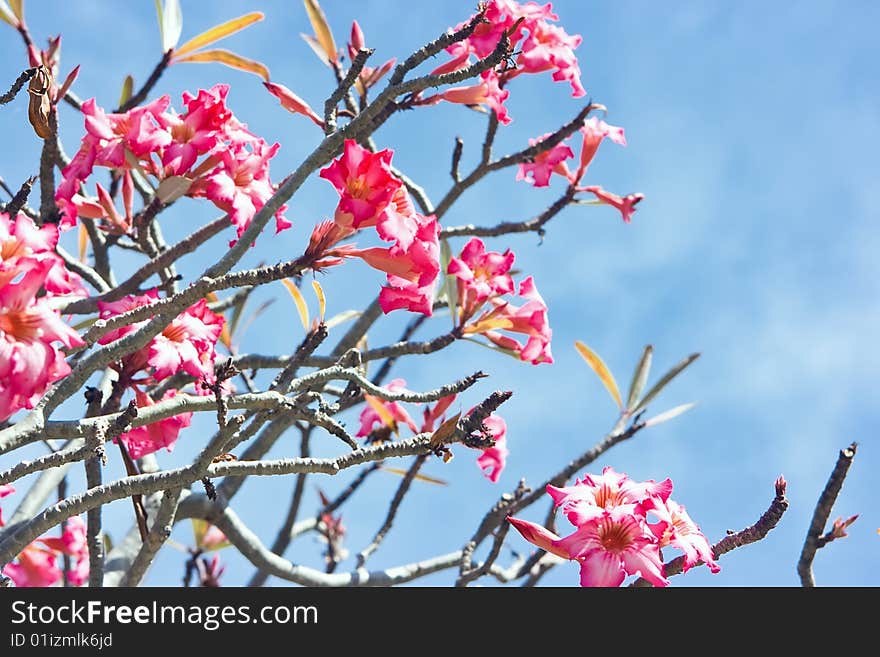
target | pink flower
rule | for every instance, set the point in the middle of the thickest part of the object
(197, 132)
(529, 319)
(365, 184)
(613, 538)
(186, 344)
(412, 272)
(393, 412)
(591, 496)
(480, 275)
(613, 545)
(626, 205)
(594, 131)
(152, 437)
(137, 130)
(537, 172)
(21, 240)
(493, 459)
(433, 415)
(293, 103)
(29, 327)
(677, 529)
(35, 566)
(548, 47)
(541, 45)
(6, 489)
(488, 92)
(103, 207)
(241, 185)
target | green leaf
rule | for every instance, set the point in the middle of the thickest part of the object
(640, 377)
(127, 90)
(172, 24)
(671, 374)
(601, 370)
(668, 415)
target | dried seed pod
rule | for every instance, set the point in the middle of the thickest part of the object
(39, 105)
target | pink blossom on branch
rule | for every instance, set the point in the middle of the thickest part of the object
(21, 241)
(594, 131)
(29, 328)
(612, 537)
(152, 437)
(626, 205)
(493, 459)
(486, 95)
(538, 171)
(293, 103)
(365, 185)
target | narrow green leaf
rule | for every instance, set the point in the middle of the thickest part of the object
(601, 370)
(668, 415)
(671, 374)
(127, 90)
(219, 32)
(640, 377)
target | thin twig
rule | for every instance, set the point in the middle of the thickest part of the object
(821, 514)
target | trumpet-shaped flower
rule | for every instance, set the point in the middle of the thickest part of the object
(365, 185)
(480, 275)
(487, 94)
(22, 242)
(389, 414)
(493, 459)
(612, 537)
(626, 205)
(538, 171)
(29, 329)
(152, 437)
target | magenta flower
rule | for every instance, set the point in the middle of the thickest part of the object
(37, 564)
(29, 328)
(6, 489)
(612, 537)
(393, 412)
(549, 48)
(493, 459)
(152, 437)
(487, 93)
(197, 132)
(365, 184)
(481, 275)
(591, 496)
(186, 344)
(594, 131)
(677, 529)
(21, 240)
(529, 319)
(537, 172)
(241, 185)
(626, 205)
(412, 272)
(613, 545)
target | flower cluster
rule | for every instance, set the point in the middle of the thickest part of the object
(31, 275)
(614, 536)
(37, 564)
(215, 155)
(380, 418)
(187, 345)
(483, 278)
(540, 45)
(370, 195)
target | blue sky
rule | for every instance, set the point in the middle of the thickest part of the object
(752, 131)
